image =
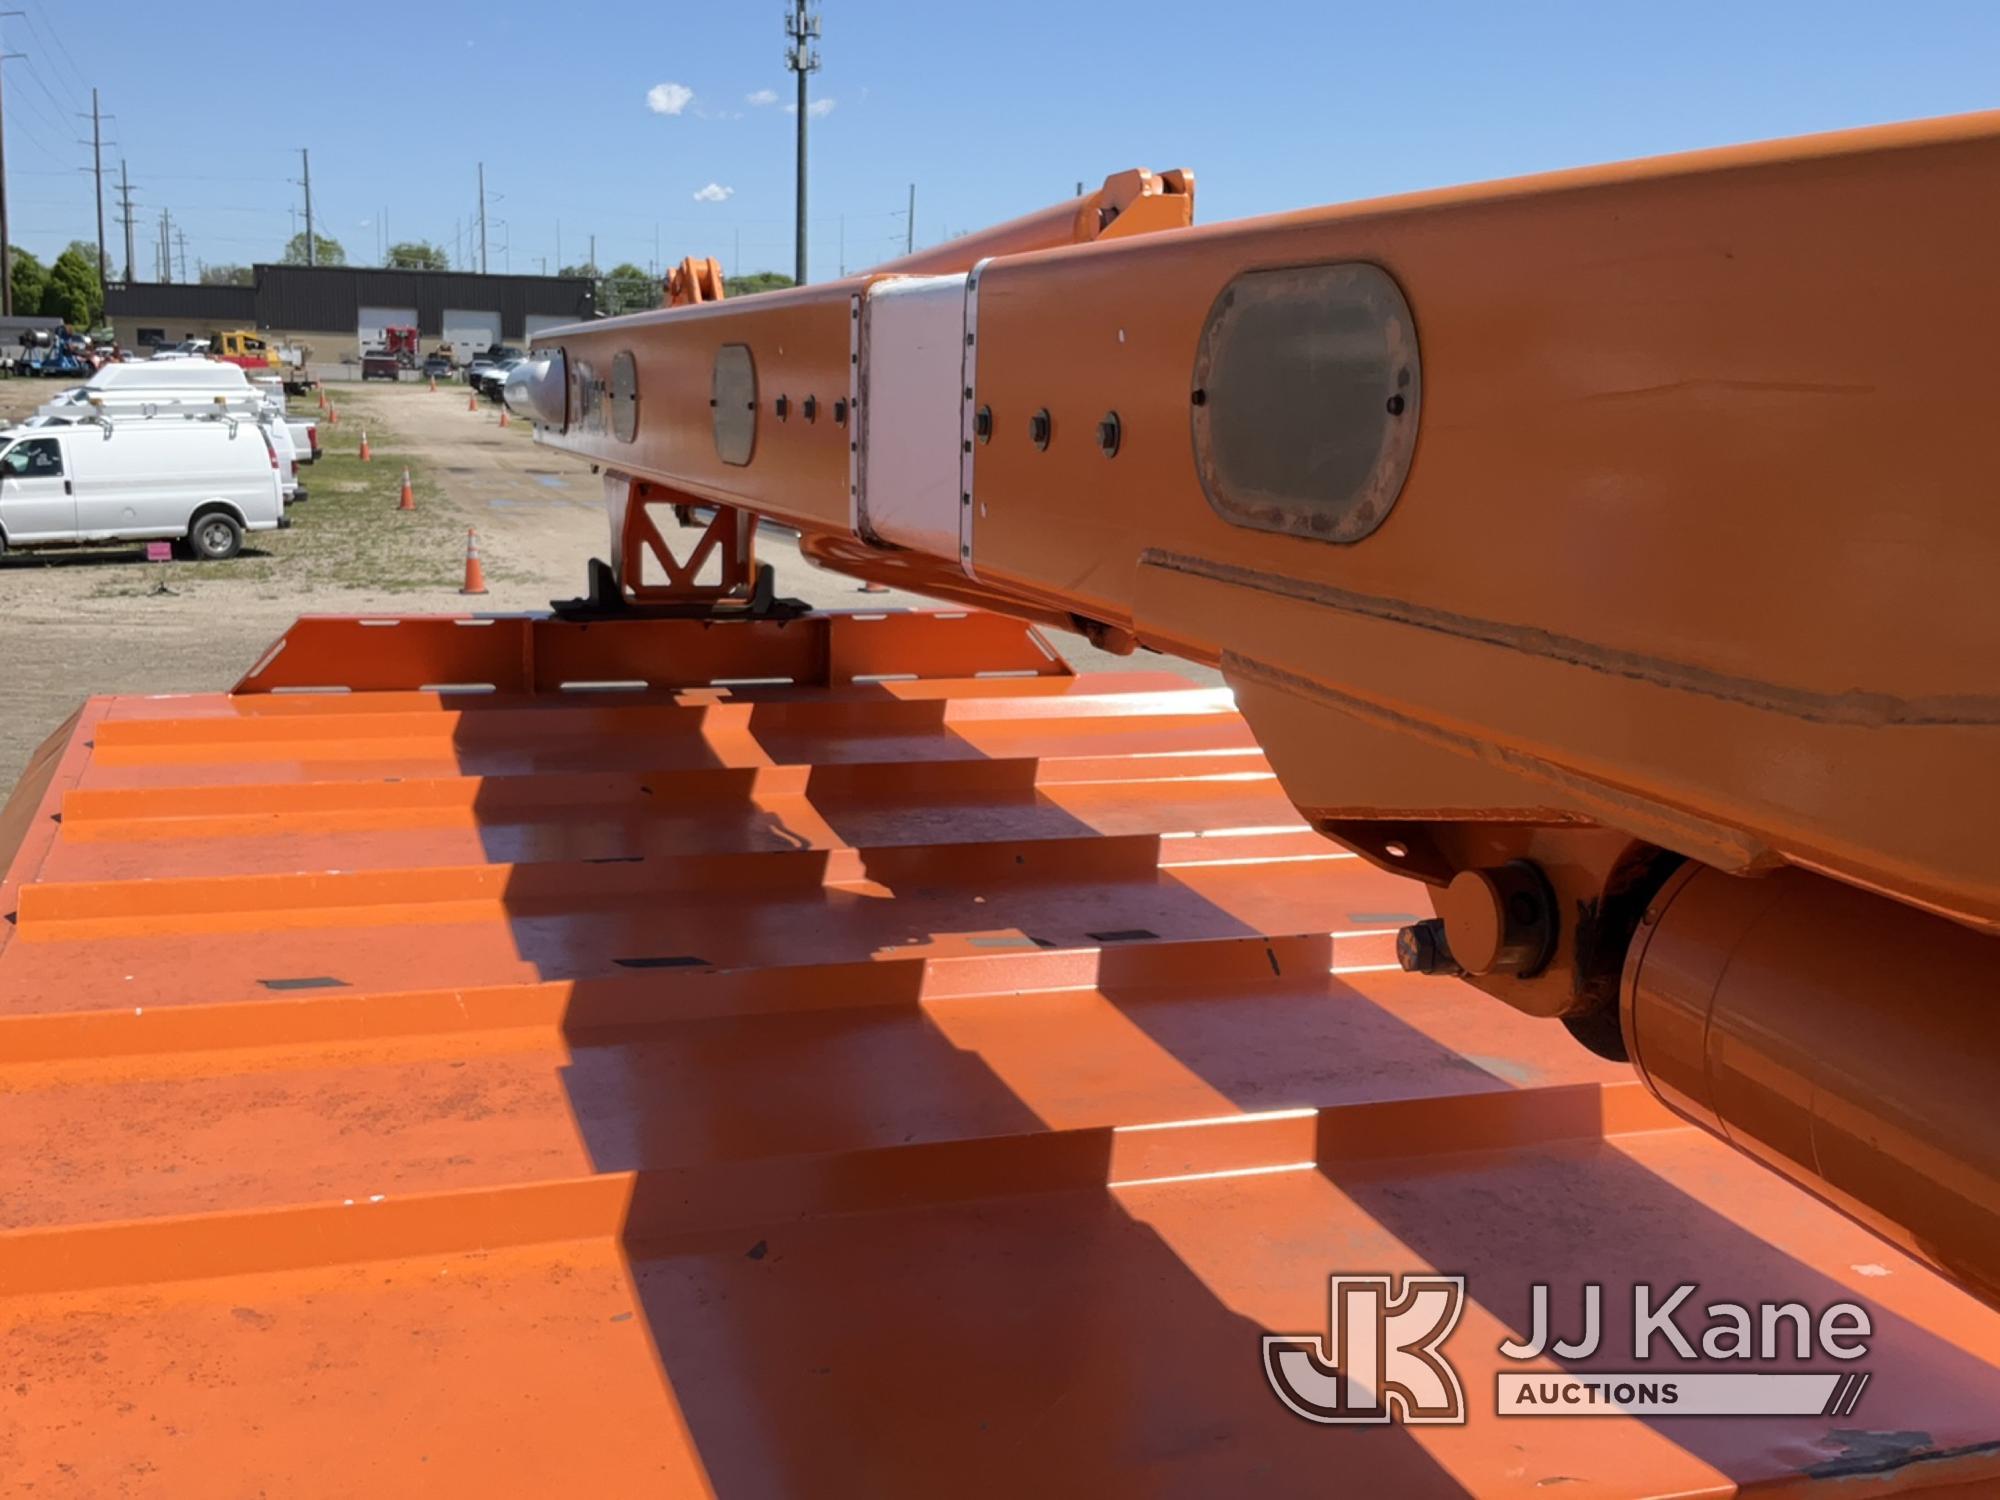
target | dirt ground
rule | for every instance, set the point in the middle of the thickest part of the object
(104, 620)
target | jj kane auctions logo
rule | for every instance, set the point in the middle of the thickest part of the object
(1382, 1358)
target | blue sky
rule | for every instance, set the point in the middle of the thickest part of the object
(990, 111)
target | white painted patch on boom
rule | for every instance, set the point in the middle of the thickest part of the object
(912, 374)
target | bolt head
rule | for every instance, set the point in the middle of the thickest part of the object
(1421, 948)
(1416, 949)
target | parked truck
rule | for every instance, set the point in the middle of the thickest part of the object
(241, 346)
(60, 351)
(254, 352)
(396, 353)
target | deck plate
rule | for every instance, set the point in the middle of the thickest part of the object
(832, 1086)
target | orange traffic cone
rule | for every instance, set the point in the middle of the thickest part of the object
(503, 416)
(322, 398)
(332, 415)
(472, 403)
(475, 576)
(408, 502)
(365, 455)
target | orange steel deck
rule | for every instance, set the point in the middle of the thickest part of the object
(863, 1083)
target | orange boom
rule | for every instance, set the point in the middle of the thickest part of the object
(1554, 535)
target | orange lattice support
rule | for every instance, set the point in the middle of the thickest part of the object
(695, 281)
(729, 538)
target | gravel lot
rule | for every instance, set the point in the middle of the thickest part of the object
(104, 620)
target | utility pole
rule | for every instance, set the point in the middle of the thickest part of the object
(593, 255)
(180, 236)
(482, 218)
(306, 168)
(910, 223)
(6, 250)
(802, 57)
(125, 206)
(97, 174)
(166, 256)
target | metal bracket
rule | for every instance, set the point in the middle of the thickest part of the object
(742, 588)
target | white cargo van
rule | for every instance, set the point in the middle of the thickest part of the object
(282, 433)
(201, 483)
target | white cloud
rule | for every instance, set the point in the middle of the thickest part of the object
(669, 98)
(715, 192)
(819, 109)
(762, 97)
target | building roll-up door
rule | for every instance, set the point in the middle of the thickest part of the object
(470, 331)
(374, 319)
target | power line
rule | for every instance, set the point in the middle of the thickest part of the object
(42, 146)
(62, 111)
(55, 36)
(53, 121)
(229, 177)
(269, 210)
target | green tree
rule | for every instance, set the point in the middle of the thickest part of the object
(756, 281)
(228, 276)
(588, 272)
(83, 250)
(326, 251)
(627, 289)
(417, 255)
(30, 278)
(73, 293)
